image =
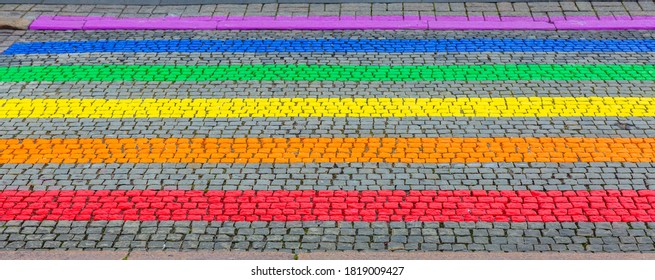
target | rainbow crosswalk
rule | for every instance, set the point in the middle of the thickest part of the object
(364, 136)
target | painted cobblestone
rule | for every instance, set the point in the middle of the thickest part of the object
(620, 183)
(311, 150)
(329, 107)
(271, 72)
(397, 205)
(630, 9)
(334, 46)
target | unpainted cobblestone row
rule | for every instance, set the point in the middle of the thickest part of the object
(330, 176)
(21, 128)
(326, 89)
(40, 36)
(367, 58)
(327, 236)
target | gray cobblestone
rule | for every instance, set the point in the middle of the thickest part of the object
(350, 236)
(478, 58)
(328, 236)
(386, 176)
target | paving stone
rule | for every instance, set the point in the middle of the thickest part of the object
(316, 235)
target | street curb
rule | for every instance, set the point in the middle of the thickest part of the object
(472, 256)
(62, 255)
(14, 23)
(353, 255)
(207, 2)
(210, 255)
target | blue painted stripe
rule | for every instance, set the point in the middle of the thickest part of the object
(337, 45)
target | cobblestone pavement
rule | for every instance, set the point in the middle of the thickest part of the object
(328, 236)
(321, 149)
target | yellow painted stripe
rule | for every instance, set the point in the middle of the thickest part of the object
(329, 107)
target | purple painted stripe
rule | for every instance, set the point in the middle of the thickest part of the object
(347, 22)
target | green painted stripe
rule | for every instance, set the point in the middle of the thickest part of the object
(328, 72)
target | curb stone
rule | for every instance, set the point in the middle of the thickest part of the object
(15, 23)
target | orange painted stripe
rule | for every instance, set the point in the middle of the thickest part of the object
(289, 150)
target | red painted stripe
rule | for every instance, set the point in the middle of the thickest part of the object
(514, 206)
